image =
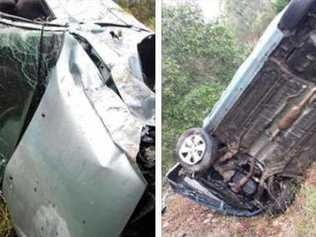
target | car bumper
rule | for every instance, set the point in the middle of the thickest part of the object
(193, 189)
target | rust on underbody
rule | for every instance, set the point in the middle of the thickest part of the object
(274, 120)
(293, 114)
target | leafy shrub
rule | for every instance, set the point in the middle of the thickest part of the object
(280, 4)
(199, 59)
(143, 10)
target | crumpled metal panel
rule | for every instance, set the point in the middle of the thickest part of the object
(68, 177)
(141, 103)
(125, 129)
(121, 56)
(74, 172)
(115, 45)
(78, 11)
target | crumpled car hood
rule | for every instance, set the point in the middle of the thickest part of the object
(71, 168)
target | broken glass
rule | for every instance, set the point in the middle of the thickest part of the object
(26, 57)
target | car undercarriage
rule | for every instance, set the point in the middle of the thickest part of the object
(256, 145)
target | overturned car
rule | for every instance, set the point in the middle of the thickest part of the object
(256, 144)
(77, 134)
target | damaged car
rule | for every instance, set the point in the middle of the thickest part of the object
(255, 146)
(77, 134)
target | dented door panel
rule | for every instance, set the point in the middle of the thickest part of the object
(67, 175)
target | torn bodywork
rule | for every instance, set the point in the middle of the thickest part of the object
(77, 109)
(262, 130)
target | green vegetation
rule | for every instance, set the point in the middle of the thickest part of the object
(143, 10)
(199, 59)
(279, 4)
(305, 222)
(6, 228)
(248, 19)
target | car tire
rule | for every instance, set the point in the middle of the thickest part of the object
(295, 13)
(208, 157)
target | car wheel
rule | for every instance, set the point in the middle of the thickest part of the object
(295, 13)
(196, 150)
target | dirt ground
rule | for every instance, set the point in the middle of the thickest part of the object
(184, 218)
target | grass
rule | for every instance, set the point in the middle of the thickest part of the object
(6, 227)
(305, 219)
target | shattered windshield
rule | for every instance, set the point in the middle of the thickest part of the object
(26, 57)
